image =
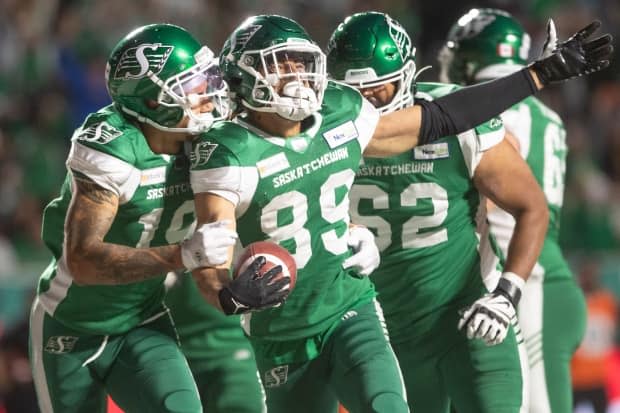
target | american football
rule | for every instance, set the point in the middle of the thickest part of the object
(274, 254)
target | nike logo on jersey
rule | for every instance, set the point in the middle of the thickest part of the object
(432, 151)
(341, 134)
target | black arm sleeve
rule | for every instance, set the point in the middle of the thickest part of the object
(468, 107)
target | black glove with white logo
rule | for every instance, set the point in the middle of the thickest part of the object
(250, 291)
(489, 318)
(574, 57)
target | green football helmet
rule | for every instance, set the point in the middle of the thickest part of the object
(371, 49)
(251, 63)
(159, 71)
(483, 44)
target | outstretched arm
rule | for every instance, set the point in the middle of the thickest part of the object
(464, 109)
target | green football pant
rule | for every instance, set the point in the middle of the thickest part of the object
(474, 377)
(356, 366)
(552, 316)
(143, 370)
(227, 380)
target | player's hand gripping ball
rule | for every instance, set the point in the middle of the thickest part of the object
(263, 277)
(274, 255)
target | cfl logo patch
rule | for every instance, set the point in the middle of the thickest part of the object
(275, 377)
(60, 344)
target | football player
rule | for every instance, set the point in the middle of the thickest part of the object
(423, 206)
(282, 171)
(482, 45)
(98, 324)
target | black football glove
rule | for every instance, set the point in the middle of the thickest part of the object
(574, 57)
(250, 292)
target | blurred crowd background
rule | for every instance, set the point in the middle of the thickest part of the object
(52, 60)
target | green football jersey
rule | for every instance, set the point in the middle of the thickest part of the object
(294, 191)
(542, 139)
(155, 208)
(422, 206)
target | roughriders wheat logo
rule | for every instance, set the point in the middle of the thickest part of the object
(136, 62)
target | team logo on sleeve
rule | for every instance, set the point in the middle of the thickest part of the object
(201, 154)
(136, 62)
(101, 132)
(275, 377)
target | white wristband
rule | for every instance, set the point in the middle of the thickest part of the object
(515, 279)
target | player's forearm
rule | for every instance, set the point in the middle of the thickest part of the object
(451, 114)
(527, 241)
(470, 106)
(112, 264)
(210, 281)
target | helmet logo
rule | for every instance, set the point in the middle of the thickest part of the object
(400, 37)
(472, 24)
(136, 62)
(239, 39)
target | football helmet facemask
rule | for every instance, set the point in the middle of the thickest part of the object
(483, 44)
(159, 72)
(371, 49)
(257, 60)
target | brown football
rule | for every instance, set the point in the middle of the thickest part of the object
(274, 254)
